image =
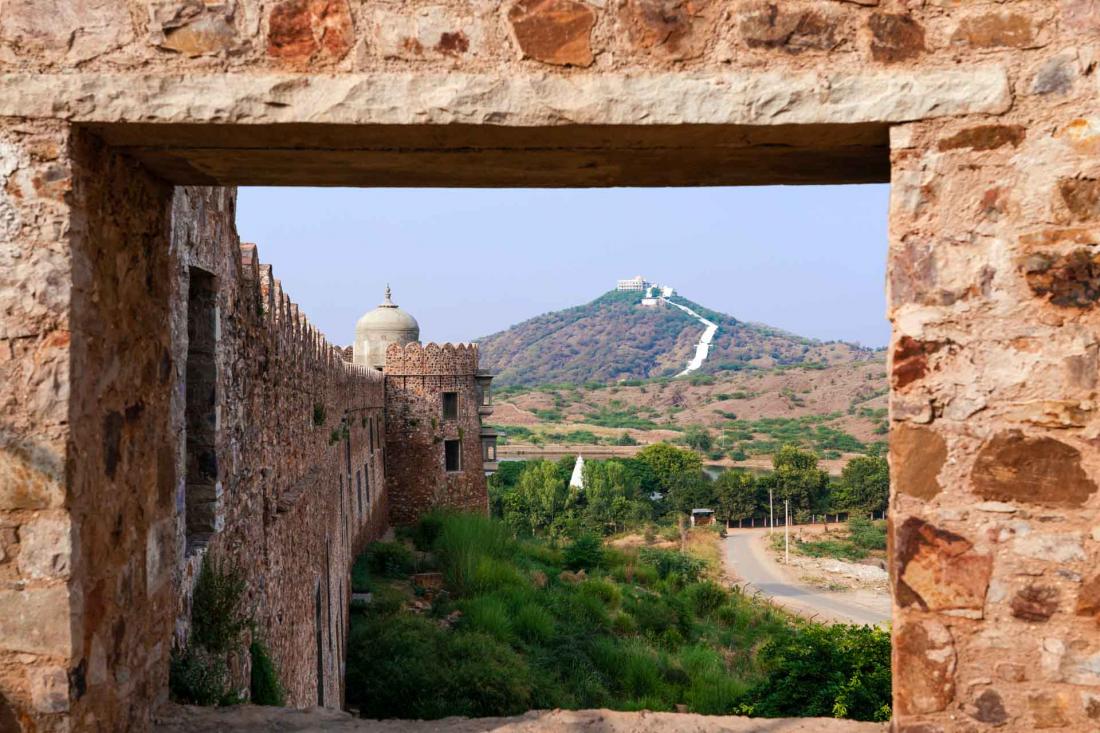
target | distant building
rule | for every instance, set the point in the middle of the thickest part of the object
(635, 284)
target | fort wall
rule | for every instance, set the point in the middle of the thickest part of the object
(418, 430)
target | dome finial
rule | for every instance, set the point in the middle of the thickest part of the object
(388, 303)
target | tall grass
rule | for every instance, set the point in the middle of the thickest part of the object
(642, 630)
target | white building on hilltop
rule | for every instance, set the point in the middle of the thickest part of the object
(635, 284)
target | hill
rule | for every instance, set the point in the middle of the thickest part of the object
(616, 338)
(734, 418)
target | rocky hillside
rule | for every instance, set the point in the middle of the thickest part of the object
(615, 338)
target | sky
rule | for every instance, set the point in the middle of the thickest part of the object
(469, 262)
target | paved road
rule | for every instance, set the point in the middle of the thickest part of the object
(747, 559)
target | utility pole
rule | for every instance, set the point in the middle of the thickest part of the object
(786, 532)
(771, 511)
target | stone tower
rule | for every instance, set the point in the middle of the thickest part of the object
(387, 324)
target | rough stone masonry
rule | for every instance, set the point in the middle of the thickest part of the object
(983, 114)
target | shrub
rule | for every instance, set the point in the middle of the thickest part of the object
(265, 687)
(704, 598)
(533, 623)
(360, 576)
(199, 677)
(835, 671)
(667, 562)
(217, 621)
(586, 552)
(488, 614)
(389, 559)
(485, 677)
(426, 531)
(608, 593)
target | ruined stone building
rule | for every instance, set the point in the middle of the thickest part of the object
(125, 124)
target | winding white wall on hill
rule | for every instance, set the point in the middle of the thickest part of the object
(702, 349)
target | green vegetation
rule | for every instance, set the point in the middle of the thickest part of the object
(809, 431)
(199, 673)
(533, 497)
(862, 538)
(519, 626)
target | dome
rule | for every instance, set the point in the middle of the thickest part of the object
(379, 328)
(387, 317)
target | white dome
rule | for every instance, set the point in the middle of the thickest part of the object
(379, 328)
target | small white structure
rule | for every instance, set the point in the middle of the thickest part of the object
(577, 479)
(702, 517)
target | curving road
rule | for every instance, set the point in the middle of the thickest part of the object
(748, 560)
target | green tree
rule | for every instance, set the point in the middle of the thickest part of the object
(690, 490)
(798, 479)
(864, 485)
(669, 463)
(539, 498)
(699, 439)
(737, 495)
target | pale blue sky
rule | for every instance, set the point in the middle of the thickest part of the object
(469, 262)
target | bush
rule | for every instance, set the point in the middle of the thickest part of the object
(199, 673)
(360, 576)
(704, 598)
(198, 676)
(586, 552)
(533, 623)
(669, 562)
(426, 531)
(488, 614)
(217, 621)
(389, 559)
(828, 671)
(265, 687)
(867, 534)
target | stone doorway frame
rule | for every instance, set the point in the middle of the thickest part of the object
(993, 356)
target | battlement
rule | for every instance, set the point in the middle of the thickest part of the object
(431, 359)
(291, 333)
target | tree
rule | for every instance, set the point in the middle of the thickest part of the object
(798, 479)
(737, 495)
(668, 463)
(538, 499)
(864, 485)
(699, 439)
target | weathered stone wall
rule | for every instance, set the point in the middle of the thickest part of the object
(994, 280)
(294, 453)
(416, 431)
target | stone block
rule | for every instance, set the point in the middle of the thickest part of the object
(36, 620)
(1035, 603)
(29, 478)
(939, 570)
(555, 32)
(72, 30)
(1049, 709)
(49, 689)
(1033, 470)
(45, 548)
(667, 25)
(989, 708)
(917, 455)
(1050, 547)
(430, 32)
(763, 24)
(996, 30)
(985, 137)
(304, 31)
(895, 37)
(925, 678)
